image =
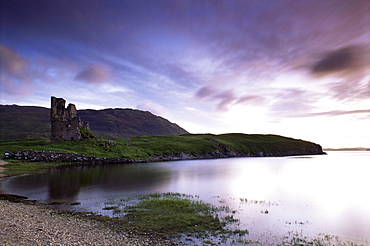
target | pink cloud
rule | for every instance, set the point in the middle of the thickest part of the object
(95, 74)
(14, 73)
(254, 100)
(337, 113)
(227, 99)
(17, 89)
(204, 92)
(152, 107)
(11, 62)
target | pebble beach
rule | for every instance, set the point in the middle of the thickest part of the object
(36, 224)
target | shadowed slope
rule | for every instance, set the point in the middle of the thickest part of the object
(19, 122)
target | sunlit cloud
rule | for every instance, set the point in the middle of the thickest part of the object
(291, 101)
(365, 112)
(226, 99)
(253, 100)
(152, 107)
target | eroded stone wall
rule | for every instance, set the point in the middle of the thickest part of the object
(65, 124)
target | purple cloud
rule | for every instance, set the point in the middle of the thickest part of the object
(254, 100)
(345, 62)
(336, 113)
(351, 65)
(95, 74)
(226, 98)
(293, 101)
(152, 107)
(14, 73)
(11, 62)
(204, 92)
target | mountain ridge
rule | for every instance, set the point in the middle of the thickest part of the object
(19, 122)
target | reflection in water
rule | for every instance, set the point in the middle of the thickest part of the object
(65, 183)
(321, 194)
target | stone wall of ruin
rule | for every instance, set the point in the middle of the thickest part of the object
(65, 124)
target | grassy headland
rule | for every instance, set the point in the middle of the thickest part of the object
(144, 148)
(158, 148)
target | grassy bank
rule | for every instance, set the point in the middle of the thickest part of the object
(181, 217)
(18, 168)
(173, 215)
(145, 147)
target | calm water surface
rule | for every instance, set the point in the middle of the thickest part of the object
(308, 195)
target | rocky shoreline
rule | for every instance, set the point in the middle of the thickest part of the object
(53, 156)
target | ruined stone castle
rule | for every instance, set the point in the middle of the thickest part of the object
(65, 124)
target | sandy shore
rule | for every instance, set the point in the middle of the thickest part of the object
(34, 224)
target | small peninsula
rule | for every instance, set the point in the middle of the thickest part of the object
(158, 148)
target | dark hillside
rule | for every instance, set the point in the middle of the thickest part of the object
(120, 123)
(19, 122)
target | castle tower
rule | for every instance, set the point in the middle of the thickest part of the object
(65, 124)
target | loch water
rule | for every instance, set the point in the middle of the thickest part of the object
(273, 196)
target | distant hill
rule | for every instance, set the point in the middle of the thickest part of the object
(19, 122)
(348, 149)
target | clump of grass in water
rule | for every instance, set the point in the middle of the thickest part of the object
(170, 215)
(110, 208)
(58, 202)
(114, 208)
(320, 240)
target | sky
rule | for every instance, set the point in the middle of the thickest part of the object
(299, 69)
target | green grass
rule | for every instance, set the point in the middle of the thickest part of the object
(147, 148)
(57, 202)
(173, 214)
(18, 168)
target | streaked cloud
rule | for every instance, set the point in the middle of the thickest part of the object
(361, 112)
(152, 107)
(253, 100)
